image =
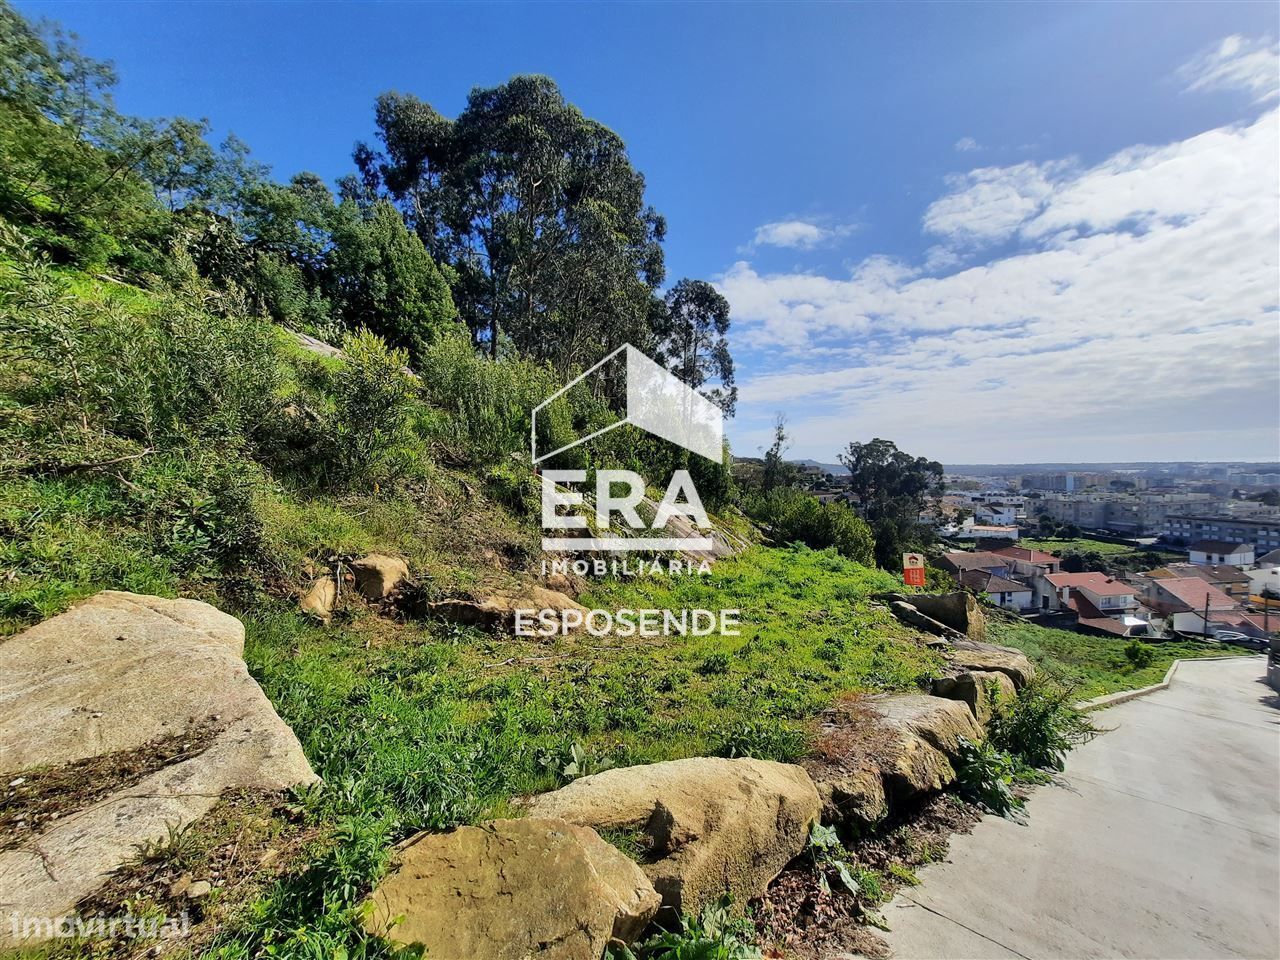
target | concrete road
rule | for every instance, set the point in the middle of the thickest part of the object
(1162, 841)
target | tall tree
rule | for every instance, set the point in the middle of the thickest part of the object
(891, 488)
(693, 343)
(538, 210)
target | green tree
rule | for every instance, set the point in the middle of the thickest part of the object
(693, 343)
(891, 489)
(538, 210)
(387, 282)
(777, 472)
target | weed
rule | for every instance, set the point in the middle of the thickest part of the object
(1040, 726)
(715, 934)
(984, 776)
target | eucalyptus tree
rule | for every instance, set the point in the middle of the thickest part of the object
(535, 207)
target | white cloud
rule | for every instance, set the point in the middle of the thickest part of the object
(797, 234)
(1237, 63)
(1135, 315)
(967, 145)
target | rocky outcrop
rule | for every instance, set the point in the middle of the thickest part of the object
(116, 675)
(909, 614)
(970, 655)
(711, 826)
(320, 600)
(378, 575)
(982, 690)
(958, 610)
(924, 735)
(852, 797)
(497, 611)
(512, 889)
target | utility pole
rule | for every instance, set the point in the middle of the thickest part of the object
(1204, 635)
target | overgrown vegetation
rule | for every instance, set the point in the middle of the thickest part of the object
(1093, 665)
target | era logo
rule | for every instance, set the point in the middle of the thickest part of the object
(680, 500)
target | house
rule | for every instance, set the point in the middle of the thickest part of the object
(1231, 580)
(1221, 551)
(1197, 606)
(957, 562)
(1101, 604)
(1110, 596)
(1269, 560)
(1031, 567)
(995, 514)
(1009, 594)
(1028, 562)
(986, 531)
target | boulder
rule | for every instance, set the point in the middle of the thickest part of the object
(910, 615)
(497, 612)
(117, 675)
(320, 600)
(850, 797)
(512, 889)
(711, 826)
(970, 655)
(377, 575)
(925, 734)
(958, 610)
(980, 689)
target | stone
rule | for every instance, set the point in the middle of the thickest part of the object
(378, 575)
(925, 736)
(851, 797)
(113, 675)
(982, 690)
(711, 826)
(910, 615)
(512, 889)
(959, 610)
(199, 890)
(497, 612)
(320, 600)
(970, 655)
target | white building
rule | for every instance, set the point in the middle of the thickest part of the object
(1205, 552)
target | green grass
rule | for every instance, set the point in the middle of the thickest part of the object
(432, 725)
(1093, 665)
(1086, 545)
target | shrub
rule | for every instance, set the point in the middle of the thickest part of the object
(1139, 654)
(373, 396)
(792, 515)
(766, 739)
(985, 776)
(1040, 725)
(715, 934)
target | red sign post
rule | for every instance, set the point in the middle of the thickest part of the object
(913, 569)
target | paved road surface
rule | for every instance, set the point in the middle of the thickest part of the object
(1163, 840)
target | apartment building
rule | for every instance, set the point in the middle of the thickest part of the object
(1264, 534)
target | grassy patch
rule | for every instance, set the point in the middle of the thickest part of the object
(1087, 545)
(1093, 665)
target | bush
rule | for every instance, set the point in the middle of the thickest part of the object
(715, 934)
(1040, 726)
(373, 397)
(1139, 654)
(985, 776)
(791, 516)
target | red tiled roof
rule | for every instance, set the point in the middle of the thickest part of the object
(991, 583)
(1194, 592)
(1098, 583)
(1026, 553)
(976, 560)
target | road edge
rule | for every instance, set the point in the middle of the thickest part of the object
(1111, 699)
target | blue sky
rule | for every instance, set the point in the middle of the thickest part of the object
(1006, 232)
